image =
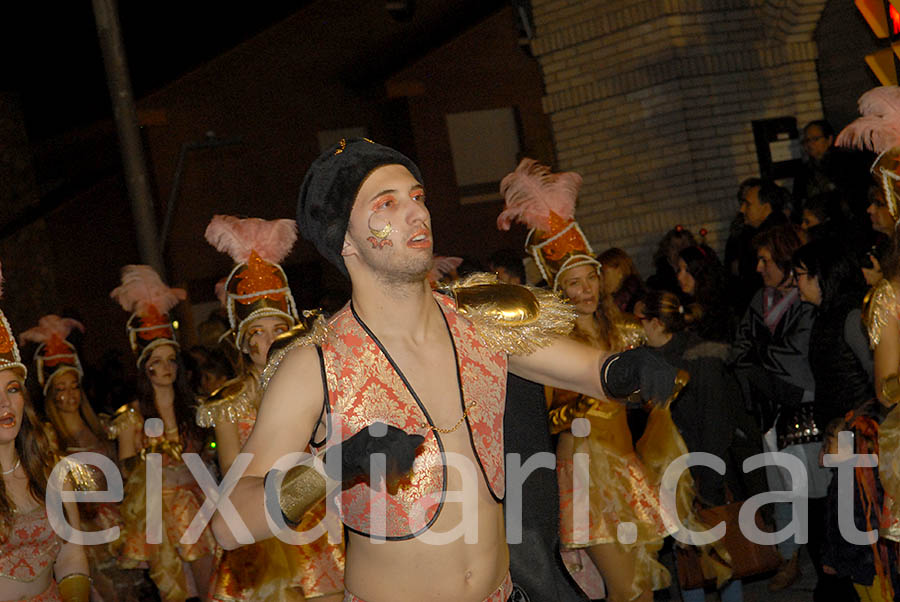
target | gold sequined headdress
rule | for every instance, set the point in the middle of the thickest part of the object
(878, 130)
(149, 300)
(545, 202)
(9, 351)
(257, 286)
(55, 354)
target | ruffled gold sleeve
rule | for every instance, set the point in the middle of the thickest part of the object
(312, 330)
(126, 418)
(228, 403)
(509, 317)
(880, 303)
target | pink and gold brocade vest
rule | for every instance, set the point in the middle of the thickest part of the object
(364, 386)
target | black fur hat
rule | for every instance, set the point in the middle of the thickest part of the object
(330, 187)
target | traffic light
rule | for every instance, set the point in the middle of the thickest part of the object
(884, 24)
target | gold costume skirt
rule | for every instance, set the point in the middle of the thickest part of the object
(619, 491)
(889, 473)
(273, 571)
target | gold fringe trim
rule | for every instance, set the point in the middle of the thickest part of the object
(880, 303)
(228, 404)
(302, 335)
(512, 318)
(126, 418)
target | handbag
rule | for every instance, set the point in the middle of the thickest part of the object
(797, 424)
(747, 558)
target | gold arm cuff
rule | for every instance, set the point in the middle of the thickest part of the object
(75, 587)
(890, 388)
(302, 488)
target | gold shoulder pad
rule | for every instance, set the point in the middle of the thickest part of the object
(312, 329)
(228, 403)
(509, 317)
(879, 304)
(126, 417)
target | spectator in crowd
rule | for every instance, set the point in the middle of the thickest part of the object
(621, 280)
(707, 410)
(761, 208)
(828, 168)
(703, 280)
(508, 266)
(665, 259)
(771, 359)
(841, 363)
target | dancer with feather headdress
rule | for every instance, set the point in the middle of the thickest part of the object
(878, 130)
(619, 487)
(261, 309)
(179, 570)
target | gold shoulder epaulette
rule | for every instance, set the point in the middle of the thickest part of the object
(312, 329)
(126, 417)
(879, 304)
(228, 403)
(510, 317)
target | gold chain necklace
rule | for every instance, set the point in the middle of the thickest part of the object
(438, 429)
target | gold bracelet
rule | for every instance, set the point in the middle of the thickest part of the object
(302, 488)
(75, 587)
(890, 388)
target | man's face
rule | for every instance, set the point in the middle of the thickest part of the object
(755, 213)
(389, 232)
(815, 142)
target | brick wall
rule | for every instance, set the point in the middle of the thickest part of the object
(652, 102)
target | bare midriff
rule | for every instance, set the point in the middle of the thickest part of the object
(426, 568)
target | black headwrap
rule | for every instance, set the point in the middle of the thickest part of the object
(331, 186)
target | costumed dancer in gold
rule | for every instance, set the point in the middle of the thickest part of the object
(35, 564)
(879, 130)
(261, 308)
(163, 394)
(619, 488)
(76, 428)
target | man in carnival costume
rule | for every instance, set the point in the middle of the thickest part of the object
(426, 372)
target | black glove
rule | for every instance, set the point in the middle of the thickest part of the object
(641, 369)
(398, 447)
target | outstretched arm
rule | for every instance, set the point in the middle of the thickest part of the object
(565, 364)
(568, 364)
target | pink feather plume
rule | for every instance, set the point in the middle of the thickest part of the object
(221, 294)
(271, 239)
(532, 191)
(443, 266)
(142, 287)
(879, 127)
(47, 327)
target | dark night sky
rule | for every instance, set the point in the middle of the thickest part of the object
(52, 56)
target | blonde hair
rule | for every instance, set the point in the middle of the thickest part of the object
(84, 409)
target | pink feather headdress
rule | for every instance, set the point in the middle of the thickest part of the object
(271, 239)
(48, 327)
(142, 288)
(545, 202)
(879, 127)
(257, 286)
(534, 194)
(55, 354)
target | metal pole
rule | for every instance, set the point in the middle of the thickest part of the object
(106, 16)
(892, 37)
